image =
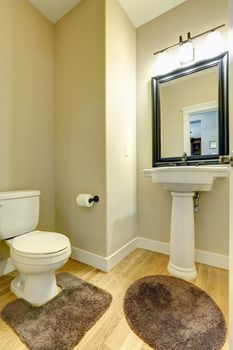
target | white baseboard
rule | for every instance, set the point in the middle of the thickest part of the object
(6, 266)
(212, 259)
(107, 263)
(121, 253)
(89, 258)
(201, 256)
(104, 263)
(154, 246)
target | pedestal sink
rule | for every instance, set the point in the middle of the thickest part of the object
(183, 182)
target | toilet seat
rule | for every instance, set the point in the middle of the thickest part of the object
(37, 255)
(39, 244)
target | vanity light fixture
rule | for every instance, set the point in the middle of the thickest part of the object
(214, 43)
(187, 49)
(163, 62)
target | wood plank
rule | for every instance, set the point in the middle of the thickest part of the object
(112, 332)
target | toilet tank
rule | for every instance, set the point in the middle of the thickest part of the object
(19, 212)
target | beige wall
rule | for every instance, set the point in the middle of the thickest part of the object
(80, 124)
(120, 126)
(84, 109)
(94, 120)
(154, 204)
(27, 104)
(89, 118)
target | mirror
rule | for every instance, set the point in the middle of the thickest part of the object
(190, 113)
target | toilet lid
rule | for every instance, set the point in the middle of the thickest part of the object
(40, 242)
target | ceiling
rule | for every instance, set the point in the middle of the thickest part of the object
(142, 11)
(139, 11)
(54, 9)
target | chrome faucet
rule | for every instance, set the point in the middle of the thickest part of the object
(228, 159)
(184, 158)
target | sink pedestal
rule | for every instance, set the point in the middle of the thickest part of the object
(182, 246)
(183, 181)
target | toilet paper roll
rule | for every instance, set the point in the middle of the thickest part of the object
(83, 200)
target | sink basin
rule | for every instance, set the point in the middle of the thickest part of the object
(186, 178)
(183, 182)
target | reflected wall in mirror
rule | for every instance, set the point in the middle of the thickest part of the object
(190, 113)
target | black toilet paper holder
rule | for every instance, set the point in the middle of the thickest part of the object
(95, 199)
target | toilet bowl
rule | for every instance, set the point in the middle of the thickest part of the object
(35, 254)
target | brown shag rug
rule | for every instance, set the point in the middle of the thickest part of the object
(172, 314)
(62, 322)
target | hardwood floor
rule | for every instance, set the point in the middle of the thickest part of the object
(112, 332)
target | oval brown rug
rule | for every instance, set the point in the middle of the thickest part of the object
(169, 313)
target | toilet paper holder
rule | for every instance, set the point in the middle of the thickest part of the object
(95, 199)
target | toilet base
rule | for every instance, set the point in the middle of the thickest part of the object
(36, 289)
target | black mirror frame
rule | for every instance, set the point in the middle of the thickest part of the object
(221, 62)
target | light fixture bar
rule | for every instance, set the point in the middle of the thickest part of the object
(189, 38)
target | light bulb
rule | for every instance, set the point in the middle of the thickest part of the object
(186, 52)
(213, 44)
(163, 63)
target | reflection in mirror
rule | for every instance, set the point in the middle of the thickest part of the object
(202, 135)
(189, 104)
(190, 112)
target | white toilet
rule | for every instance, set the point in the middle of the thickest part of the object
(35, 254)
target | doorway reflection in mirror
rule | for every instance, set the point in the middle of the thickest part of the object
(203, 130)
